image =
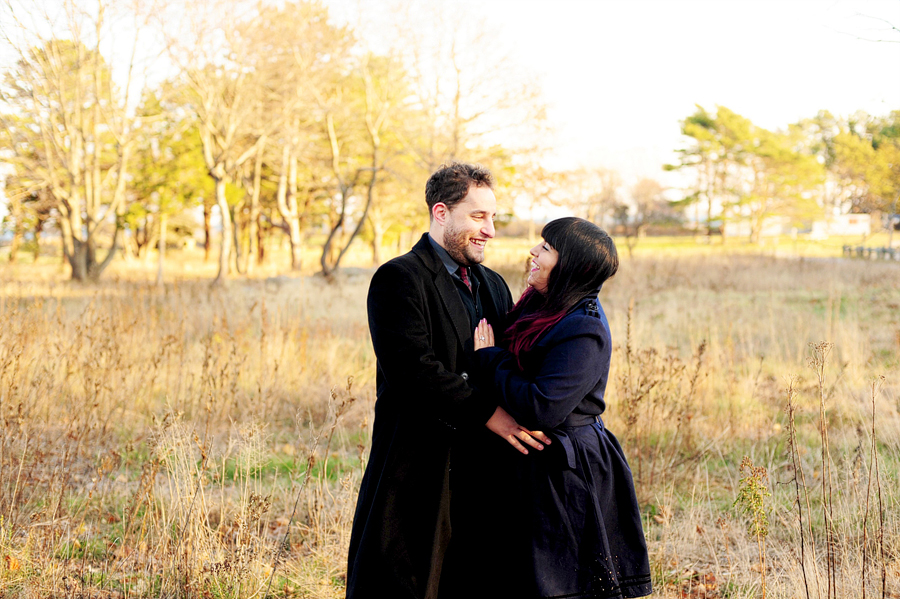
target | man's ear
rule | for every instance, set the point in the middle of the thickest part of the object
(440, 212)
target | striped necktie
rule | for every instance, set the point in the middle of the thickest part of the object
(464, 275)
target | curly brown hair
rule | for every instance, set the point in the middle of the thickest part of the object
(450, 183)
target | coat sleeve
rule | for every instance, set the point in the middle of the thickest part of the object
(542, 400)
(401, 336)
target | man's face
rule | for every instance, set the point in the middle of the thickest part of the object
(469, 225)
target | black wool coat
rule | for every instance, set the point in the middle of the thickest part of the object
(423, 344)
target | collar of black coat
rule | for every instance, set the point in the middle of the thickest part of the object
(446, 289)
(427, 250)
(449, 263)
(424, 250)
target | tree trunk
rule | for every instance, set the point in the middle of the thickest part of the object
(377, 237)
(151, 237)
(71, 226)
(130, 249)
(328, 260)
(207, 216)
(755, 230)
(253, 221)
(331, 263)
(709, 200)
(891, 221)
(630, 241)
(225, 245)
(38, 229)
(16, 241)
(78, 260)
(237, 230)
(723, 236)
(95, 268)
(297, 219)
(74, 251)
(163, 225)
(287, 205)
(261, 239)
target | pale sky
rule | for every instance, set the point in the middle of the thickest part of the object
(619, 75)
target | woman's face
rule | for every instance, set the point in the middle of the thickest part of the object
(543, 261)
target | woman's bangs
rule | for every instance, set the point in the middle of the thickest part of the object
(553, 233)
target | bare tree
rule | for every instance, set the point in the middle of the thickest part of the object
(467, 100)
(594, 193)
(647, 204)
(226, 92)
(303, 56)
(471, 91)
(253, 185)
(69, 120)
(375, 90)
(536, 187)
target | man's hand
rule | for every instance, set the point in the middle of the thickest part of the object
(501, 423)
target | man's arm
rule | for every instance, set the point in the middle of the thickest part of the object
(402, 338)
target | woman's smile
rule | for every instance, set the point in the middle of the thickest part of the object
(545, 259)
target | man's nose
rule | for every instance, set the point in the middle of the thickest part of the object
(488, 229)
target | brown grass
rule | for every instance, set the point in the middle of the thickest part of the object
(184, 441)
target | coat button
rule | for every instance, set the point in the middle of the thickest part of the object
(465, 376)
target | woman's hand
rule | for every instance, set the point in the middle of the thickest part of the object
(484, 335)
(501, 423)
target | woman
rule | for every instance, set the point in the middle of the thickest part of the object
(574, 521)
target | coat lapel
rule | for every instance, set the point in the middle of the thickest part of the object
(495, 310)
(453, 306)
(443, 282)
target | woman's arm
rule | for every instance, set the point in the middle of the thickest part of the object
(501, 423)
(576, 360)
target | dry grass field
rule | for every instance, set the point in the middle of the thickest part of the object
(189, 442)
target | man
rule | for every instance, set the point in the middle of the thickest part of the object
(423, 308)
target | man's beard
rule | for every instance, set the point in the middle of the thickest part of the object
(457, 244)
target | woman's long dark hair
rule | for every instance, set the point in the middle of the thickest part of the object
(587, 257)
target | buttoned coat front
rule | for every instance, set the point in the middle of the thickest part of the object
(562, 523)
(423, 343)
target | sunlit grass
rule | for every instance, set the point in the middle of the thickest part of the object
(155, 441)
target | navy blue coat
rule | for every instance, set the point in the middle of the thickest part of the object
(423, 344)
(564, 522)
(565, 372)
